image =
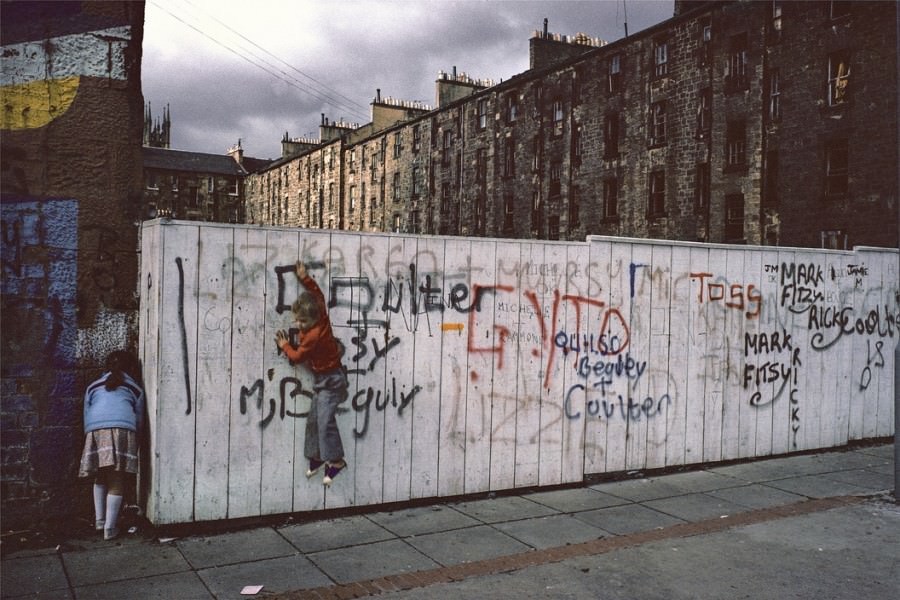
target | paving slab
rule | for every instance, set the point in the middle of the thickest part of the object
(884, 451)
(575, 500)
(123, 562)
(371, 561)
(30, 575)
(466, 545)
(703, 481)
(184, 586)
(696, 507)
(843, 461)
(756, 496)
(629, 518)
(639, 490)
(773, 468)
(817, 486)
(275, 574)
(422, 520)
(873, 481)
(505, 508)
(552, 531)
(334, 533)
(231, 548)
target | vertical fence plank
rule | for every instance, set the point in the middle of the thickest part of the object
(598, 391)
(278, 451)
(615, 324)
(340, 264)
(214, 343)
(400, 380)
(575, 284)
(656, 403)
(149, 341)
(176, 414)
(639, 287)
(535, 343)
(455, 370)
(699, 356)
(247, 373)
(678, 386)
(432, 312)
(483, 350)
(555, 364)
(508, 319)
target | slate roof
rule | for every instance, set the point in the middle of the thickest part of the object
(198, 162)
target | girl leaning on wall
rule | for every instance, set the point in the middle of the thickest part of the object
(113, 417)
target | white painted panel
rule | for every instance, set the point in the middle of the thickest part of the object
(639, 289)
(711, 282)
(534, 345)
(556, 364)
(309, 493)
(484, 353)
(150, 290)
(214, 343)
(175, 414)
(881, 341)
(678, 386)
(248, 367)
(339, 264)
(492, 388)
(454, 370)
(400, 380)
(508, 322)
(576, 283)
(654, 406)
(615, 324)
(433, 309)
(722, 296)
(278, 451)
(588, 405)
(699, 356)
(767, 326)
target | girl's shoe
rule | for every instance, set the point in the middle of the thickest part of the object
(111, 534)
(314, 466)
(332, 470)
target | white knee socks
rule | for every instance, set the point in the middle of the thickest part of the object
(113, 504)
(99, 505)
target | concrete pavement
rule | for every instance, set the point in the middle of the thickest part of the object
(807, 526)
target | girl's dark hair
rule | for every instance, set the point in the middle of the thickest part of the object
(120, 363)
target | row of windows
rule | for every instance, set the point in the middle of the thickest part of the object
(154, 181)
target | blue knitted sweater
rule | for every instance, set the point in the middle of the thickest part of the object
(122, 407)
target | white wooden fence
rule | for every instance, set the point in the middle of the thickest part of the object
(481, 364)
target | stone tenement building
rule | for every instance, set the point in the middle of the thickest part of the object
(194, 186)
(739, 122)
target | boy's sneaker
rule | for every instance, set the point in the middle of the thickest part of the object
(314, 466)
(99, 524)
(111, 534)
(332, 470)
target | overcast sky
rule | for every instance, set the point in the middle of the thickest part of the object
(254, 70)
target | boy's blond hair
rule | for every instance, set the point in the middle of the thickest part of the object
(306, 306)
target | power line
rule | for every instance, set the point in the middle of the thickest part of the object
(315, 93)
(352, 103)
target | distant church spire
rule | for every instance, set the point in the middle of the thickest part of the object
(157, 134)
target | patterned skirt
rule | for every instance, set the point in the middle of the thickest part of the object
(116, 448)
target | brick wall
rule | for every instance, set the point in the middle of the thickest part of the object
(70, 188)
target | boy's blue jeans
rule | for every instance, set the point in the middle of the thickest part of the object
(323, 440)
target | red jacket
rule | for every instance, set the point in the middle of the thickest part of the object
(318, 347)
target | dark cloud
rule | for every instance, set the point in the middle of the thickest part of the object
(345, 51)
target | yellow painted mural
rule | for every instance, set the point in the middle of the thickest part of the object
(35, 104)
